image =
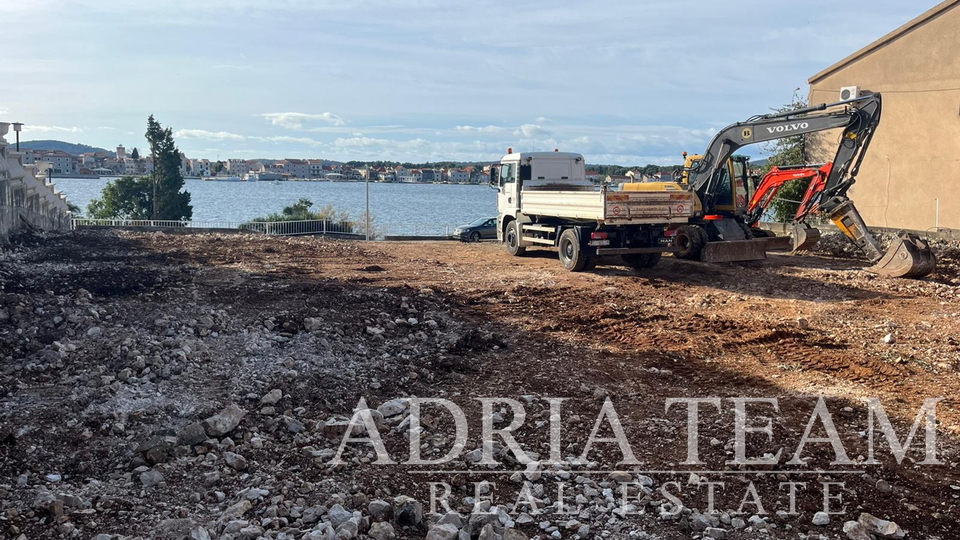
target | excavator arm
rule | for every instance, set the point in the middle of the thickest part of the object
(778, 177)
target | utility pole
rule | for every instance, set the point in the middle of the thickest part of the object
(367, 214)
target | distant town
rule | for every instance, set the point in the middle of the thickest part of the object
(102, 163)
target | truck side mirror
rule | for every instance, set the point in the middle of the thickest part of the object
(495, 177)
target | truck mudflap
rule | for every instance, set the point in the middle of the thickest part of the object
(735, 250)
(908, 257)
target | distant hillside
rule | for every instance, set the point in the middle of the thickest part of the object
(70, 148)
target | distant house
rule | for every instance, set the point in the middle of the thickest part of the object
(459, 176)
(593, 175)
(618, 179)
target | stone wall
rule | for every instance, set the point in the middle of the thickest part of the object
(27, 202)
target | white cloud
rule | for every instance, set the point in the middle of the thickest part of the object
(296, 120)
(530, 131)
(487, 129)
(207, 135)
(27, 128)
(4, 111)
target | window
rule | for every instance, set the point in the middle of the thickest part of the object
(508, 173)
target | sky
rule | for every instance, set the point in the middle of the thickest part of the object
(628, 82)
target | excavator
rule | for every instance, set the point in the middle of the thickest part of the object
(908, 257)
(720, 229)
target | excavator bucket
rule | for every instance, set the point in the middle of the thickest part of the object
(908, 257)
(804, 237)
(735, 250)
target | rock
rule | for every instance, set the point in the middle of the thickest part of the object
(175, 529)
(890, 339)
(312, 324)
(191, 435)
(451, 518)
(514, 534)
(803, 323)
(855, 531)
(621, 477)
(224, 421)
(151, 478)
(235, 461)
(716, 533)
(236, 511)
(323, 532)
(211, 478)
(393, 407)
(699, 522)
(821, 518)
(94, 331)
(46, 502)
(338, 515)
(293, 425)
(880, 527)
(380, 509)
(272, 397)
(444, 531)
(382, 530)
(408, 511)
(883, 486)
(53, 478)
(348, 530)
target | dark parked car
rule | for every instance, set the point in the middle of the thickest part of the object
(479, 229)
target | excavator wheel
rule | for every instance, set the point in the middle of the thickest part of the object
(690, 239)
(908, 257)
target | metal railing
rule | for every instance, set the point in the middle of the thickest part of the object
(282, 228)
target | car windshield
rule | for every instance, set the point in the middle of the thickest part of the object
(480, 222)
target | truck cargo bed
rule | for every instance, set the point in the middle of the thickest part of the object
(610, 207)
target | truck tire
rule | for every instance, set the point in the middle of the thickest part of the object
(690, 239)
(571, 256)
(641, 260)
(512, 239)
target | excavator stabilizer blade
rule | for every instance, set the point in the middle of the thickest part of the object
(908, 257)
(778, 243)
(735, 250)
(804, 237)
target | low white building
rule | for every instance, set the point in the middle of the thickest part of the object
(458, 175)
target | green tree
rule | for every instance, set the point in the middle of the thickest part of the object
(124, 198)
(169, 202)
(135, 154)
(793, 150)
(157, 196)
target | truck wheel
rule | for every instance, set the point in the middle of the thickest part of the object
(690, 239)
(636, 260)
(571, 256)
(653, 260)
(512, 239)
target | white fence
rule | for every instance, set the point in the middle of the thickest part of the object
(282, 228)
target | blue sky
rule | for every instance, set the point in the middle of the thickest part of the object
(629, 82)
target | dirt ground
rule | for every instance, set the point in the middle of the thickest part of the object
(112, 343)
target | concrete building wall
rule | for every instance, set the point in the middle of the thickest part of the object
(914, 158)
(25, 200)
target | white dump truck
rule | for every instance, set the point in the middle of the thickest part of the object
(545, 199)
